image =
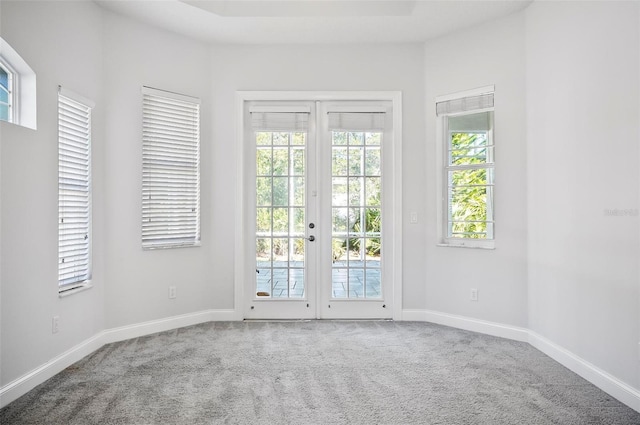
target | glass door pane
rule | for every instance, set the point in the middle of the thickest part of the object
(356, 239)
(280, 215)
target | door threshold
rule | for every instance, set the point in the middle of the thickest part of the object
(316, 320)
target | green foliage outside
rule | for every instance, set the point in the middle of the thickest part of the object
(356, 169)
(373, 222)
(280, 198)
(468, 187)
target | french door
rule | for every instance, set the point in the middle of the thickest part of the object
(315, 218)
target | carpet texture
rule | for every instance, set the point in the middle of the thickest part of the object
(317, 372)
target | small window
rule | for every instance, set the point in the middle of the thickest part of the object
(17, 89)
(74, 191)
(6, 93)
(170, 170)
(468, 170)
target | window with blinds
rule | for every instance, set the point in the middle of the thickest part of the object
(74, 190)
(170, 170)
(468, 168)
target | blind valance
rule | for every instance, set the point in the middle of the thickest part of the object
(280, 121)
(356, 121)
(464, 104)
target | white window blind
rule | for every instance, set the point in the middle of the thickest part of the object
(356, 121)
(282, 119)
(170, 170)
(74, 190)
(464, 104)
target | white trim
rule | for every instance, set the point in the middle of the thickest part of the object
(346, 308)
(162, 325)
(413, 315)
(603, 380)
(20, 386)
(442, 167)
(316, 95)
(75, 289)
(395, 97)
(24, 87)
(598, 377)
(239, 254)
(13, 90)
(466, 93)
(37, 376)
(467, 323)
(608, 383)
(398, 228)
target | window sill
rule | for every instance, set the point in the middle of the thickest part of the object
(83, 287)
(469, 245)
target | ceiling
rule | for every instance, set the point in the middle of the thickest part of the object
(313, 21)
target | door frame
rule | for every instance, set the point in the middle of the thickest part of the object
(393, 212)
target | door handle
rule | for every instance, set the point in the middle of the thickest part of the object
(311, 238)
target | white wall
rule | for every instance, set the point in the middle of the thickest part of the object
(492, 54)
(138, 281)
(317, 68)
(62, 42)
(567, 129)
(583, 140)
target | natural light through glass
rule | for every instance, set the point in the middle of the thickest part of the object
(280, 214)
(356, 214)
(5, 95)
(470, 175)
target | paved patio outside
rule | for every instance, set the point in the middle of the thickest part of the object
(360, 280)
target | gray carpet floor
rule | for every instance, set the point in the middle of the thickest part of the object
(317, 372)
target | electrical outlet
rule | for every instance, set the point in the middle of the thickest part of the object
(172, 292)
(413, 218)
(474, 294)
(54, 324)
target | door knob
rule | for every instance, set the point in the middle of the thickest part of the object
(311, 238)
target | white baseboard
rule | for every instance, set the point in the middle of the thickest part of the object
(598, 377)
(610, 384)
(29, 381)
(601, 379)
(167, 324)
(468, 324)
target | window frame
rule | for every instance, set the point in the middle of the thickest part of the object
(443, 168)
(23, 90)
(73, 286)
(163, 240)
(12, 88)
